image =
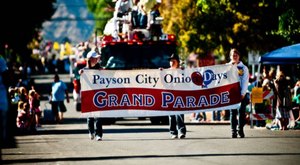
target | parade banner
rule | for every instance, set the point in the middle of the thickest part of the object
(159, 92)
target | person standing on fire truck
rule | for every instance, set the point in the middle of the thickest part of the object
(93, 59)
(123, 8)
(176, 122)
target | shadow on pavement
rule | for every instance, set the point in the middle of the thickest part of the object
(99, 158)
(66, 121)
(105, 131)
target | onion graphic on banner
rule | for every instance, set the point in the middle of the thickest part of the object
(205, 80)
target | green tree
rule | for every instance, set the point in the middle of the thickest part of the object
(203, 26)
(180, 19)
(102, 11)
(289, 21)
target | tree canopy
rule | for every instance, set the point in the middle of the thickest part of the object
(216, 26)
(102, 10)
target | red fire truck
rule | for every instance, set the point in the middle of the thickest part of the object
(138, 49)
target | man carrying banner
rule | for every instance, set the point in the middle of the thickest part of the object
(176, 122)
(243, 74)
(93, 63)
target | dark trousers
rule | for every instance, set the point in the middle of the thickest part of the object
(238, 116)
(177, 124)
(91, 126)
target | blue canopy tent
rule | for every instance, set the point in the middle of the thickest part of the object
(285, 55)
(288, 55)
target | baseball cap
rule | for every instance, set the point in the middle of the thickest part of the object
(92, 54)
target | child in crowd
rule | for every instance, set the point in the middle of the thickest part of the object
(34, 102)
(24, 118)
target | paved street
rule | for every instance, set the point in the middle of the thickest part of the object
(135, 141)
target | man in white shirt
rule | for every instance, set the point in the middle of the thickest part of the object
(243, 72)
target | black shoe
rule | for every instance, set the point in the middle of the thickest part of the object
(241, 133)
(234, 135)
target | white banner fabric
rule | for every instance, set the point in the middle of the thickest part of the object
(156, 92)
